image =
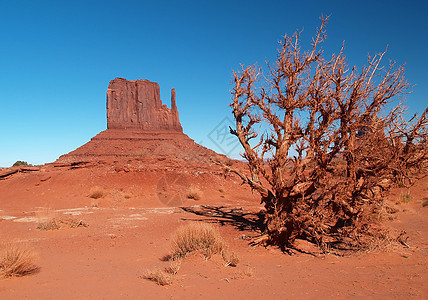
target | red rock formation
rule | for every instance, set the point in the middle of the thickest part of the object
(140, 128)
(136, 104)
(129, 144)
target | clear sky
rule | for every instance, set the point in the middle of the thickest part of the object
(57, 58)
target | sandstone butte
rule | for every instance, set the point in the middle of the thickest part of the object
(136, 104)
(139, 127)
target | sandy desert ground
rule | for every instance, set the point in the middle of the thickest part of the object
(129, 232)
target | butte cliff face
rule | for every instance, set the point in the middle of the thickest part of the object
(136, 104)
(139, 127)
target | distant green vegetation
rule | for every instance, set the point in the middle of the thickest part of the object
(20, 163)
(405, 197)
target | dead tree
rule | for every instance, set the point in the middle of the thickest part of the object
(319, 141)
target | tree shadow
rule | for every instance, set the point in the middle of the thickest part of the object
(241, 220)
(236, 217)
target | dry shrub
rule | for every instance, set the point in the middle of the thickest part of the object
(159, 276)
(201, 237)
(47, 219)
(74, 223)
(405, 197)
(380, 239)
(194, 193)
(96, 192)
(324, 141)
(51, 224)
(191, 238)
(16, 260)
(232, 260)
(119, 195)
(174, 266)
(54, 223)
(249, 271)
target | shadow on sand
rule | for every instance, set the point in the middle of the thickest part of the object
(237, 217)
(244, 221)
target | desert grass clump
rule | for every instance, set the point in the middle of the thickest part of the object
(249, 271)
(174, 266)
(405, 197)
(54, 224)
(96, 192)
(74, 223)
(159, 276)
(232, 260)
(16, 261)
(50, 224)
(201, 237)
(194, 193)
(379, 240)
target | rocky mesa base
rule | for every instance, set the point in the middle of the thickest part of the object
(119, 144)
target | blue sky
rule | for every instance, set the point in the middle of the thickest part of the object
(57, 58)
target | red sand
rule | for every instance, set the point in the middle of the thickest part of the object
(129, 232)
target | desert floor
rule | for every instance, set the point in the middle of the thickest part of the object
(129, 232)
